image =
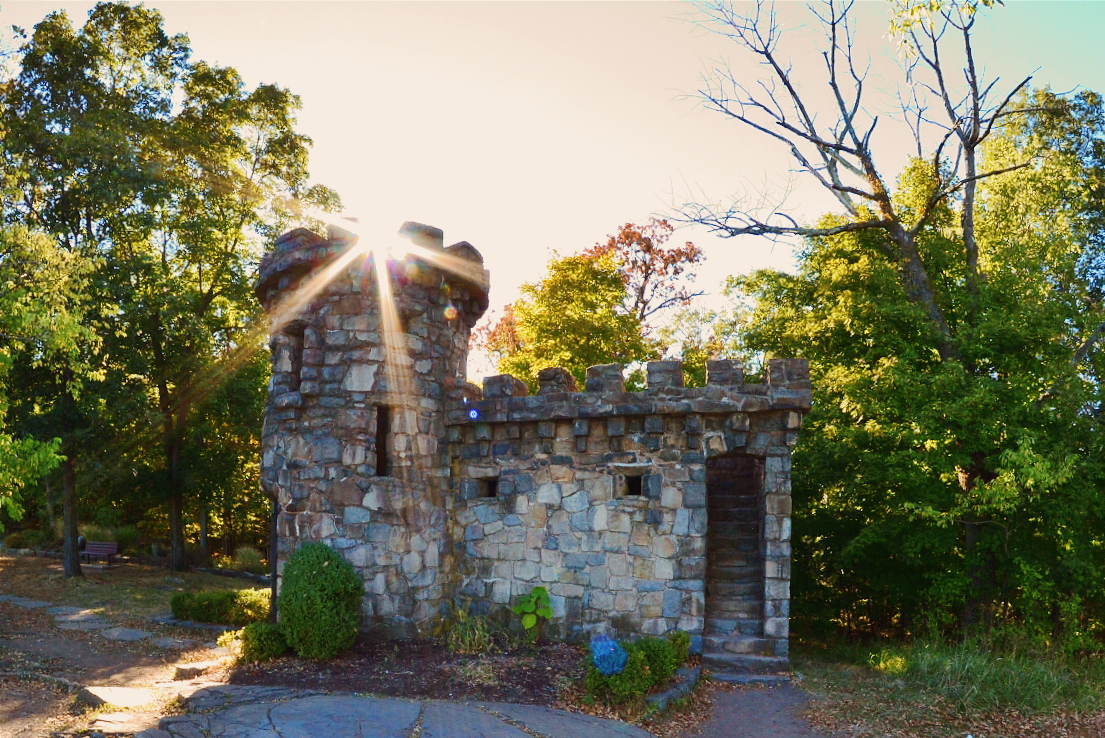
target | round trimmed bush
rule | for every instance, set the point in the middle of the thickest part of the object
(320, 602)
(261, 642)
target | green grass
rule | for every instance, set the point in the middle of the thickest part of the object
(973, 676)
(938, 689)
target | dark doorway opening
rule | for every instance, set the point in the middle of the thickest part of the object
(734, 552)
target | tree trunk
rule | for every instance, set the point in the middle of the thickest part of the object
(979, 585)
(46, 513)
(176, 504)
(228, 526)
(71, 557)
(205, 524)
(919, 290)
(973, 603)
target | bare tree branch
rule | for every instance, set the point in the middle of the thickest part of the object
(1077, 358)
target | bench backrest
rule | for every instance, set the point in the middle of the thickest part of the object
(101, 548)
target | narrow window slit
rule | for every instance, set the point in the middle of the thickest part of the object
(383, 440)
(294, 332)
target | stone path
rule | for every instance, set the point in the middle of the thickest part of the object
(231, 711)
(248, 712)
(114, 695)
(77, 618)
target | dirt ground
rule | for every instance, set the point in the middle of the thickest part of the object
(39, 662)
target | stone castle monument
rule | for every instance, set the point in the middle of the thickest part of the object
(640, 512)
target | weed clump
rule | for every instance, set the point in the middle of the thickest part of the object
(320, 602)
(467, 633)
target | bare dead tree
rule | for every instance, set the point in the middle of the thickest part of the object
(834, 145)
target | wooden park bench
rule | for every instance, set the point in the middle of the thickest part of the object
(101, 549)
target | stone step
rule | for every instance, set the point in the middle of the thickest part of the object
(734, 557)
(728, 529)
(733, 586)
(724, 607)
(721, 498)
(764, 680)
(737, 644)
(722, 614)
(734, 515)
(742, 664)
(734, 543)
(721, 627)
(734, 574)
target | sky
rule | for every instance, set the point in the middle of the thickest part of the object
(528, 128)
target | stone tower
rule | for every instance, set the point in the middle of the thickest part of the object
(364, 351)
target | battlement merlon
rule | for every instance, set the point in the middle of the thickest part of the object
(301, 252)
(506, 399)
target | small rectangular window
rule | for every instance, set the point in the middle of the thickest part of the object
(632, 486)
(383, 441)
(489, 487)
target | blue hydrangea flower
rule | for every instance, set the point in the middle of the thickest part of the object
(607, 655)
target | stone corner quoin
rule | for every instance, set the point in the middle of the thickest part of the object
(640, 512)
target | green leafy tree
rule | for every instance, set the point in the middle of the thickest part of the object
(171, 174)
(596, 307)
(945, 335)
(574, 318)
(43, 340)
(930, 490)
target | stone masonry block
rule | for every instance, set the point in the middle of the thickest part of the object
(554, 380)
(664, 374)
(605, 378)
(724, 372)
(504, 385)
(776, 627)
(777, 568)
(777, 589)
(777, 504)
(694, 495)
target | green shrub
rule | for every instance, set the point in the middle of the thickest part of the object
(631, 683)
(649, 662)
(661, 658)
(681, 644)
(29, 538)
(225, 607)
(92, 532)
(248, 558)
(16, 540)
(127, 536)
(261, 642)
(250, 606)
(320, 602)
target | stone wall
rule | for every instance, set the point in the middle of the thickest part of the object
(601, 495)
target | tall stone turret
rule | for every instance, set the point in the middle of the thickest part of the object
(351, 448)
